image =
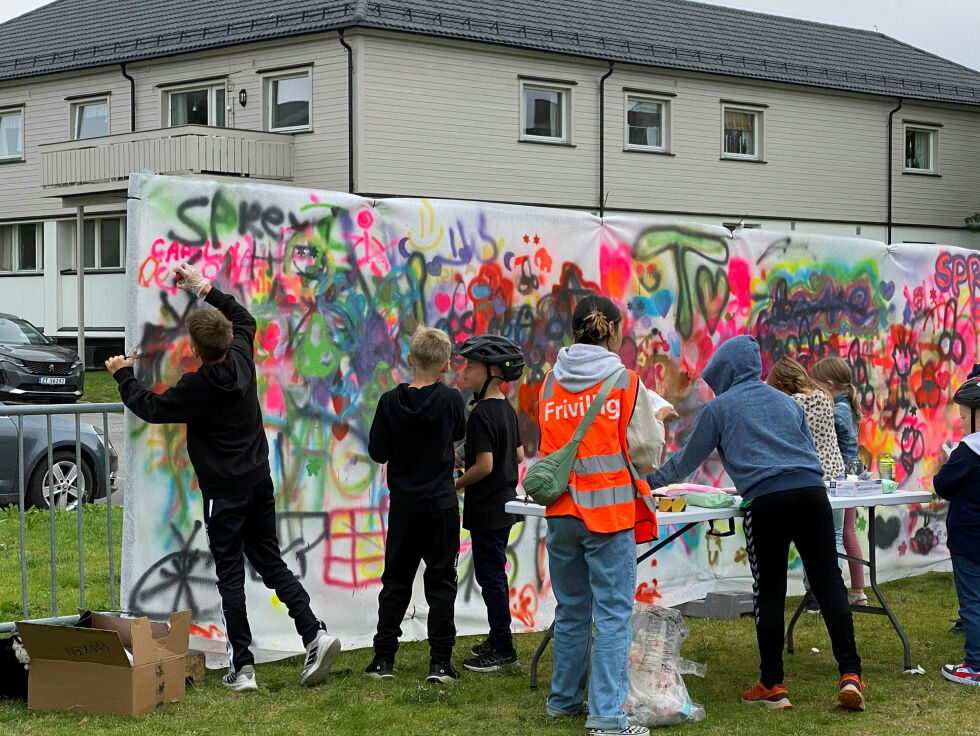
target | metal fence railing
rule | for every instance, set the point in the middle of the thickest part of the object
(61, 482)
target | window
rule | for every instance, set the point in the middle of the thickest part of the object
(20, 248)
(920, 150)
(11, 134)
(90, 118)
(289, 102)
(197, 106)
(544, 114)
(742, 133)
(103, 245)
(646, 123)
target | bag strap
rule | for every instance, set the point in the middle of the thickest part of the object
(594, 407)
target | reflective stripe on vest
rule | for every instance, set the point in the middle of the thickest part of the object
(603, 496)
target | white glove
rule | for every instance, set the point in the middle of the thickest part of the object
(190, 279)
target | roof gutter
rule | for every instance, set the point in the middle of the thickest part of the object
(888, 217)
(602, 139)
(132, 98)
(350, 111)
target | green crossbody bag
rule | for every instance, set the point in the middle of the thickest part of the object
(547, 479)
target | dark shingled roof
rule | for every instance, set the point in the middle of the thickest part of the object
(672, 34)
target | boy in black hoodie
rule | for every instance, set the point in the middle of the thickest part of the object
(413, 431)
(227, 446)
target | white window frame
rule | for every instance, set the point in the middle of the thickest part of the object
(15, 244)
(211, 88)
(19, 111)
(934, 147)
(566, 112)
(267, 82)
(664, 103)
(76, 105)
(757, 131)
(98, 244)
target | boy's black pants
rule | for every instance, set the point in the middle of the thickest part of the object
(413, 537)
(490, 568)
(244, 526)
(802, 516)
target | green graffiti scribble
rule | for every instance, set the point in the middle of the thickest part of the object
(313, 466)
(708, 285)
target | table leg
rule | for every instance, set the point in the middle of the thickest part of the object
(873, 574)
(792, 621)
(548, 636)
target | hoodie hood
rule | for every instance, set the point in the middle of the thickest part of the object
(420, 404)
(735, 361)
(230, 376)
(580, 367)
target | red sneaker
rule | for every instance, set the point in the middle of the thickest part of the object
(851, 695)
(775, 697)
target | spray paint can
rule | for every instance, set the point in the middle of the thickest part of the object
(886, 467)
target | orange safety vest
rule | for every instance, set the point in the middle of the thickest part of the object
(602, 488)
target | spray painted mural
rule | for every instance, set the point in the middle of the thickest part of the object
(338, 283)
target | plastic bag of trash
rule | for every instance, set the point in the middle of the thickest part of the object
(657, 693)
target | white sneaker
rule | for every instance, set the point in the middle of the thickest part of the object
(320, 654)
(244, 679)
(857, 598)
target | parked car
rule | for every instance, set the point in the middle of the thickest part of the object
(63, 479)
(35, 368)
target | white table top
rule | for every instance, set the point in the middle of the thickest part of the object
(697, 513)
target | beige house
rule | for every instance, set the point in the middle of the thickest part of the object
(663, 107)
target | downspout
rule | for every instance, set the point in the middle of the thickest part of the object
(888, 236)
(602, 140)
(132, 98)
(350, 112)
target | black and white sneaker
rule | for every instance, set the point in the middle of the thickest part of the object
(380, 669)
(484, 646)
(243, 679)
(320, 654)
(492, 661)
(441, 674)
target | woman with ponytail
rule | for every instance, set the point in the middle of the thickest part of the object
(834, 375)
(590, 538)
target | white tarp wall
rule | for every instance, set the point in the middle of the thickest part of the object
(338, 283)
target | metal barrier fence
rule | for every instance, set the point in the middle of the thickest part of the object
(57, 491)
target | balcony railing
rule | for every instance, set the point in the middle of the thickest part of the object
(102, 164)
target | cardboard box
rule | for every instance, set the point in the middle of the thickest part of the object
(128, 666)
(854, 488)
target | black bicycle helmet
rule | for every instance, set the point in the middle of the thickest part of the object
(493, 350)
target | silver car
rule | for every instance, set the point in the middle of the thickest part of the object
(35, 368)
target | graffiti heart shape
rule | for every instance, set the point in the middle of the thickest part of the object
(712, 292)
(887, 290)
(886, 531)
(942, 379)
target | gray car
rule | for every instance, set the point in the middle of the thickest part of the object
(35, 368)
(62, 484)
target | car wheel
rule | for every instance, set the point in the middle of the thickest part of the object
(60, 484)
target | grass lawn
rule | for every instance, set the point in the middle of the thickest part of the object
(349, 703)
(100, 387)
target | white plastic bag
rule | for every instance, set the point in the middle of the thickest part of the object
(657, 694)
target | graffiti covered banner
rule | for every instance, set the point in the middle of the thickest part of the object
(337, 285)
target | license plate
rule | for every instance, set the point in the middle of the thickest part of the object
(52, 380)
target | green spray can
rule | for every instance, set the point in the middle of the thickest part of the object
(886, 467)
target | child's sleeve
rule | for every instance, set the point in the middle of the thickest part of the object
(459, 417)
(960, 469)
(378, 440)
(176, 405)
(700, 443)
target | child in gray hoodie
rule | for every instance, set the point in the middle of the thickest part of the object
(765, 446)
